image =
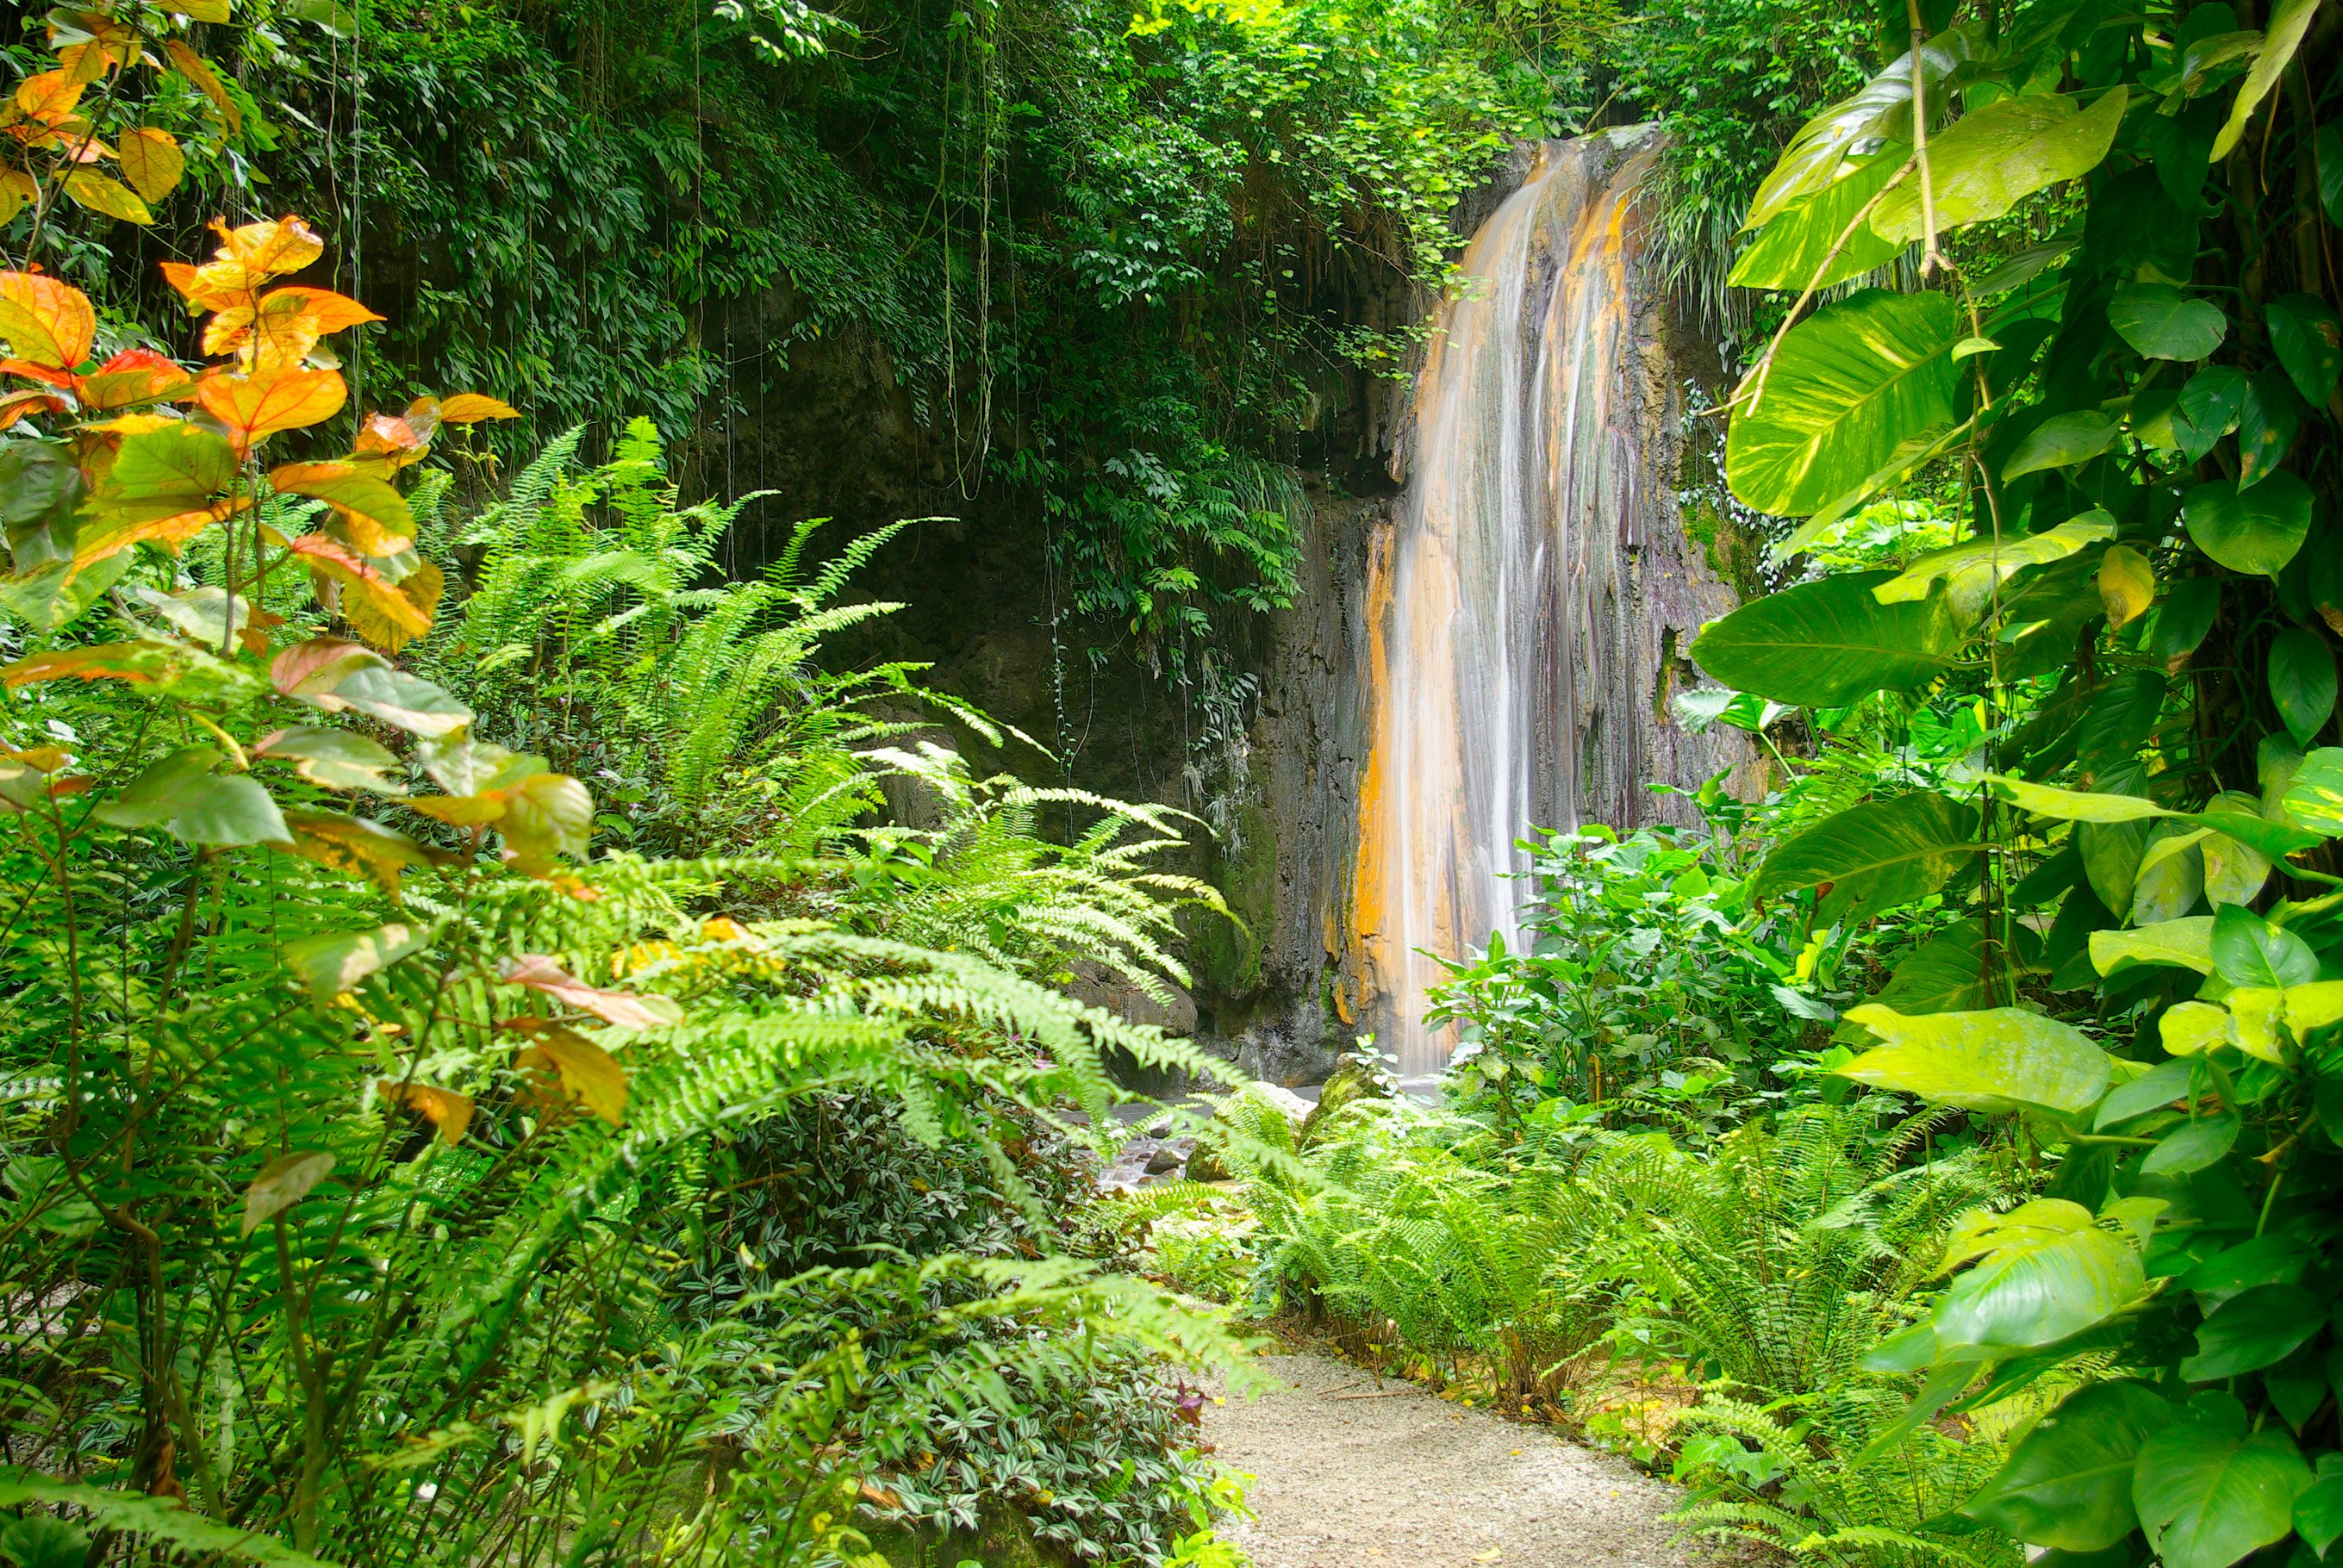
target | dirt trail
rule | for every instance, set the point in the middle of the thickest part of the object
(1410, 1480)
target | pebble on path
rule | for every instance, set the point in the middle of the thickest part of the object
(1409, 1479)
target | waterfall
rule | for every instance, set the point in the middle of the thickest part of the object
(1517, 671)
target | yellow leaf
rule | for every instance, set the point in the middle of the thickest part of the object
(46, 321)
(2126, 584)
(198, 71)
(151, 162)
(17, 192)
(450, 1111)
(106, 198)
(471, 407)
(590, 1074)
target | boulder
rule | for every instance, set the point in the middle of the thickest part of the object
(1352, 1081)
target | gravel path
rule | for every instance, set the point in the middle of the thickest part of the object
(1409, 1479)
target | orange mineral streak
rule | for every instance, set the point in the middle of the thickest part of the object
(1477, 630)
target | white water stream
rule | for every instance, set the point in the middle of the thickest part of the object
(1492, 612)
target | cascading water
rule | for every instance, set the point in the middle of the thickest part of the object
(1518, 676)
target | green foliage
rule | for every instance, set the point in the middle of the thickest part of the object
(2147, 381)
(376, 1191)
(1652, 986)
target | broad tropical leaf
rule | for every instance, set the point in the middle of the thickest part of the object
(1824, 644)
(1844, 390)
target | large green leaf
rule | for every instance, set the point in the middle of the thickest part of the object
(2158, 1088)
(2067, 1483)
(2308, 340)
(2302, 682)
(1818, 155)
(1989, 161)
(2062, 441)
(2318, 1512)
(2315, 796)
(2161, 323)
(2185, 943)
(2288, 22)
(1948, 973)
(2208, 1492)
(1846, 389)
(2046, 1271)
(2267, 429)
(1972, 569)
(2073, 805)
(1824, 644)
(1877, 855)
(186, 795)
(2111, 854)
(2254, 1329)
(2171, 875)
(2248, 951)
(2190, 1147)
(2254, 531)
(2001, 1058)
(1791, 251)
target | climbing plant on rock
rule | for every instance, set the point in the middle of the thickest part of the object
(2134, 405)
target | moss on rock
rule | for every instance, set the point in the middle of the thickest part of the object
(1228, 956)
(1351, 1081)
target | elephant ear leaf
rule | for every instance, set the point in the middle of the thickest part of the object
(1998, 1060)
(1824, 644)
(2067, 1483)
(2209, 1492)
(1876, 855)
(1844, 390)
(1991, 160)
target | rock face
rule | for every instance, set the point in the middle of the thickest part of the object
(833, 435)
(1588, 517)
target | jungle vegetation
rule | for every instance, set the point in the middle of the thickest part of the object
(490, 1072)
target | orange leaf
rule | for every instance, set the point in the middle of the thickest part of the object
(151, 162)
(65, 379)
(377, 517)
(46, 321)
(389, 612)
(133, 376)
(471, 407)
(283, 398)
(285, 325)
(388, 443)
(625, 1009)
(198, 71)
(448, 1111)
(215, 286)
(98, 542)
(15, 406)
(50, 96)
